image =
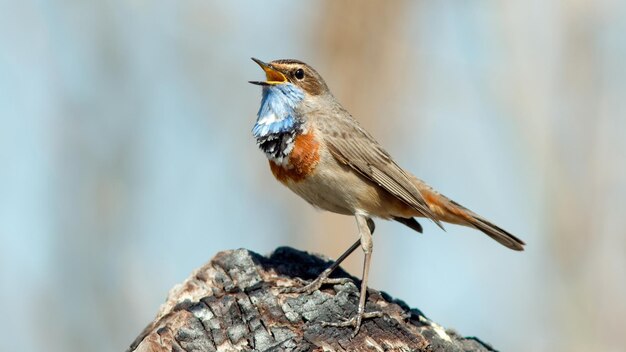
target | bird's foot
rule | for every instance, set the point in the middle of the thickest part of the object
(310, 287)
(355, 321)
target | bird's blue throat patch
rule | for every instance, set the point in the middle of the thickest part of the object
(276, 125)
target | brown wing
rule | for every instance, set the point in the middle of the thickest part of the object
(361, 152)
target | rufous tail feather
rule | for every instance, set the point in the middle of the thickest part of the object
(452, 212)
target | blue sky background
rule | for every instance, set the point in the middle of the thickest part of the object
(127, 158)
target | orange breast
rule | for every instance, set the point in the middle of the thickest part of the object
(302, 160)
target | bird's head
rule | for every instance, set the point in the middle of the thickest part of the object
(294, 72)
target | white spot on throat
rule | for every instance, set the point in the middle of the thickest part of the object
(268, 119)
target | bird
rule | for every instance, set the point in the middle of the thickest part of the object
(320, 152)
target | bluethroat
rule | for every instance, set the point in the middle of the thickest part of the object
(321, 153)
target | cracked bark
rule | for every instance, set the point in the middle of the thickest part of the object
(232, 303)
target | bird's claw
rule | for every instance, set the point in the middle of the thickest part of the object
(355, 321)
(310, 287)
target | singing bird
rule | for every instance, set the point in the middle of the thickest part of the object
(320, 152)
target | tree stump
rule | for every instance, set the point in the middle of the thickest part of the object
(233, 303)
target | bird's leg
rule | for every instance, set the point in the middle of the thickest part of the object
(323, 278)
(367, 245)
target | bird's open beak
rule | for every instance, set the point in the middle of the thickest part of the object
(272, 75)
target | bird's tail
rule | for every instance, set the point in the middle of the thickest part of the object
(497, 233)
(449, 211)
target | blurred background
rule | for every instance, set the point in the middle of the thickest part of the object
(127, 158)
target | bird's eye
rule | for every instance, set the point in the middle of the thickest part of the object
(299, 74)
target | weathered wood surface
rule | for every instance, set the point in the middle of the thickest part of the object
(233, 303)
